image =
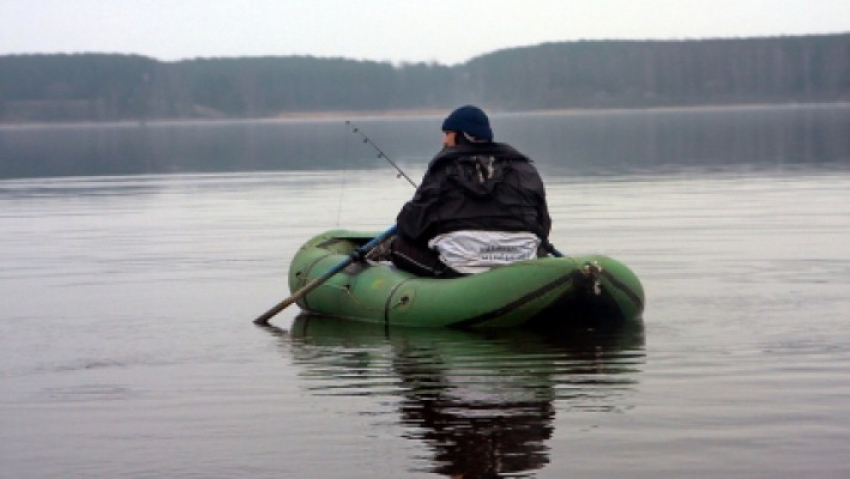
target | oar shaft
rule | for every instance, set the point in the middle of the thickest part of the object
(357, 254)
(265, 317)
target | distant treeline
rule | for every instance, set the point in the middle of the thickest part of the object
(587, 74)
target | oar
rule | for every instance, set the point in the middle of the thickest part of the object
(355, 255)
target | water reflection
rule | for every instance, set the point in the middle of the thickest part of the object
(591, 141)
(483, 403)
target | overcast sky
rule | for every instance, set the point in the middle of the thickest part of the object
(446, 32)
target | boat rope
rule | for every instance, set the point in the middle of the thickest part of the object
(565, 281)
(633, 297)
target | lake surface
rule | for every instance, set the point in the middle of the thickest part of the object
(127, 348)
(574, 143)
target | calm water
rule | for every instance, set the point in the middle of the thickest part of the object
(588, 142)
(127, 349)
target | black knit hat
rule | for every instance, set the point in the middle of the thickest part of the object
(470, 120)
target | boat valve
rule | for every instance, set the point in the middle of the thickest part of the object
(593, 271)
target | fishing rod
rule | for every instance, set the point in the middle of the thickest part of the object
(381, 154)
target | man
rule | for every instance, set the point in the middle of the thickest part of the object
(480, 204)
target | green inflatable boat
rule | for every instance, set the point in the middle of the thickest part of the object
(544, 293)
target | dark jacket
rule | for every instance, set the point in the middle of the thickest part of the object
(477, 187)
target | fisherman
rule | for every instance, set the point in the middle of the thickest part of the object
(480, 204)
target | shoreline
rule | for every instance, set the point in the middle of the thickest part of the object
(342, 115)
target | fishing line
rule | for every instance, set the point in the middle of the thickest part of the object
(381, 154)
(343, 184)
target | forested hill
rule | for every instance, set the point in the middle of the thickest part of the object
(587, 74)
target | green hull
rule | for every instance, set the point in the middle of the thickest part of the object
(543, 293)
